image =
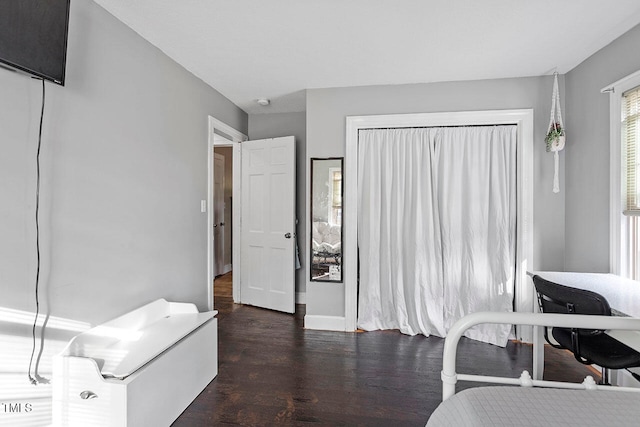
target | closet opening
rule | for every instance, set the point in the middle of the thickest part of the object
(516, 125)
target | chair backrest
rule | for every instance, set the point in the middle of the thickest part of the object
(556, 298)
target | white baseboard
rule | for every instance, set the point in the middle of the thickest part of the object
(324, 323)
(226, 268)
(301, 297)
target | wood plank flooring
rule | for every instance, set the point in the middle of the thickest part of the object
(274, 372)
(223, 286)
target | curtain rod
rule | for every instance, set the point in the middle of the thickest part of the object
(438, 126)
(611, 88)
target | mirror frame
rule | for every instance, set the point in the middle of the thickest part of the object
(311, 263)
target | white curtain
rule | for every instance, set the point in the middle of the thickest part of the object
(436, 228)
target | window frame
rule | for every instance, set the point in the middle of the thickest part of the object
(619, 224)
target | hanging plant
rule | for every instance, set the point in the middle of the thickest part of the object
(555, 137)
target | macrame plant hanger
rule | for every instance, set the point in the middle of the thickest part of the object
(555, 138)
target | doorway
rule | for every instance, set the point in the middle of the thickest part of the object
(222, 209)
(222, 206)
(263, 193)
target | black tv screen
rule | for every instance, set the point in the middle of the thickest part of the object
(33, 37)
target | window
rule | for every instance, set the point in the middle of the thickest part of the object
(625, 176)
(629, 135)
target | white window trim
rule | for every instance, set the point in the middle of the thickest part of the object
(617, 222)
(524, 295)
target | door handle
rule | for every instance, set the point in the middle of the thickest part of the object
(88, 394)
(287, 236)
(222, 224)
(215, 225)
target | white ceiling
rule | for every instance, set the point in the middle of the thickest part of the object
(250, 49)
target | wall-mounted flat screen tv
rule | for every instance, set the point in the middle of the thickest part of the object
(33, 37)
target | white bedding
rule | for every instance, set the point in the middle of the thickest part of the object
(525, 406)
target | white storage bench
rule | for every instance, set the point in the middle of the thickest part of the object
(140, 369)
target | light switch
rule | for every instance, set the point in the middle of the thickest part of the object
(203, 206)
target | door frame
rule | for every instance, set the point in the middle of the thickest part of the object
(524, 295)
(236, 138)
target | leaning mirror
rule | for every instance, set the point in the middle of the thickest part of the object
(326, 220)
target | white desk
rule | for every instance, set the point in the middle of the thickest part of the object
(622, 294)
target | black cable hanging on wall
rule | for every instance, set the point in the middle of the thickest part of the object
(32, 378)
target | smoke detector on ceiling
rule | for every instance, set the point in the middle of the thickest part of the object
(263, 101)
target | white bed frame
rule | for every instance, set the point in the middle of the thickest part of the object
(140, 369)
(450, 377)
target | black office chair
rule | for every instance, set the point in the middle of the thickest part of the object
(589, 346)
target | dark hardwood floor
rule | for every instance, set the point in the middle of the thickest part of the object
(274, 372)
(224, 286)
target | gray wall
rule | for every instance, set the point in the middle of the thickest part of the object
(327, 109)
(263, 126)
(124, 167)
(587, 151)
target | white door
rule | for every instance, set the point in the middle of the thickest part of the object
(218, 213)
(268, 223)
